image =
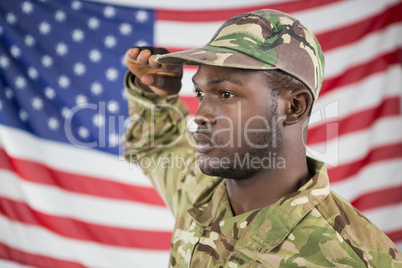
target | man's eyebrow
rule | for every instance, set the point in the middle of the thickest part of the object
(218, 80)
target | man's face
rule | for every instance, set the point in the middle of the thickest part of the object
(237, 122)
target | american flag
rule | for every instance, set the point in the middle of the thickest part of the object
(67, 197)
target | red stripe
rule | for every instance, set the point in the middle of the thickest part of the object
(36, 260)
(353, 32)
(39, 173)
(122, 237)
(354, 122)
(356, 73)
(191, 102)
(209, 15)
(395, 236)
(383, 197)
(345, 171)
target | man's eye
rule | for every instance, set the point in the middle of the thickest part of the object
(227, 95)
(199, 93)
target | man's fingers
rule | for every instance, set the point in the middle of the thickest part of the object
(162, 84)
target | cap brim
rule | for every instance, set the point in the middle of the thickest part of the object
(216, 56)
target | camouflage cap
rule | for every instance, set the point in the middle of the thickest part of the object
(263, 39)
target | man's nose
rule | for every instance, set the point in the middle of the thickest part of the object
(205, 114)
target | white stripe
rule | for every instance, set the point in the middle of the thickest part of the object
(194, 34)
(328, 17)
(36, 240)
(387, 218)
(368, 48)
(364, 94)
(66, 157)
(109, 212)
(189, 5)
(349, 147)
(11, 264)
(372, 177)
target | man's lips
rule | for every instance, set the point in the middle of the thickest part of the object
(203, 144)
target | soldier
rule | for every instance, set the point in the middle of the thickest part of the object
(249, 197)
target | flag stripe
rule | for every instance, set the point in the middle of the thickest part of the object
(383, 153)
(349, 76)
(362, 95)
(19, 211)
(122, 214)
(66, 157)
(209, 15)
(334, 151)
(382, 215)
(367, 179)
(10, 253)
(31, 239)
(192, 34)
(353, 32)
(379, 198)
(40, 173)
(357, 121)
(11, 264)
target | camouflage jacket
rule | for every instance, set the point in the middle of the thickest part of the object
(312, 227)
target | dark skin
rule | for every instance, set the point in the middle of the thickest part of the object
(222, 129)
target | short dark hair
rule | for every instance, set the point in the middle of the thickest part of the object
(279, 81)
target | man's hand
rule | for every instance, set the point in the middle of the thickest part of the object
(162, 79)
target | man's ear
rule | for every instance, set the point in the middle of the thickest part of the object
(298, 106)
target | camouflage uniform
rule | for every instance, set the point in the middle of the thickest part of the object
(312, 227)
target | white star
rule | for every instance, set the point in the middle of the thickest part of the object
(123, 61)
(20, 82)
(11, 18)
(29, 40)
(64, 81)
(95, 55)
(15, 51)
(79, 68)
(109, 12)
(114, 139)
(27, 7)
(53, 123)
(113, 106)
(110, 41)
(9, 93)
(65, 111)
(141, 43)
(96, 88)
(125, 29)
(45, 28)
(81, 99)
(23, 115)
(50, 93)
(98, 120)
(4, 62)
(141, 15)
(1, 30)
(78, 35)
(76, 5)
(124, 94)
(33, 73)
(47, 61)
(61, 49)
(60, 15)
(83, 132)
(112, 74)
(37, 103)
(93, 23)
